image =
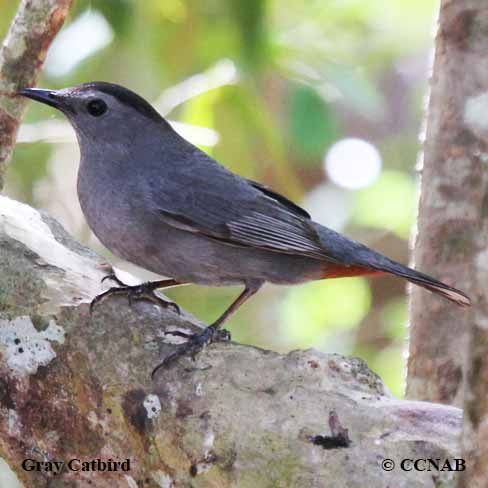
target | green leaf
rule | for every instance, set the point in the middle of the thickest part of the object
(249, 17)
(312, 124)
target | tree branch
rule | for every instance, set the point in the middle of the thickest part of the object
(75, 387)
(21, 57)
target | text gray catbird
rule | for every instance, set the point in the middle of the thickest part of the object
(159, 202)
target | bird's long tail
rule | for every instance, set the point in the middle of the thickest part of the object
(427, 282)
(351, 255)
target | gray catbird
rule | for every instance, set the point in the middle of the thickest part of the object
(159, 202)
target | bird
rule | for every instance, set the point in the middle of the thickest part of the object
(157, 201)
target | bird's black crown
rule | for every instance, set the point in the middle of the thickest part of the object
(125, 96)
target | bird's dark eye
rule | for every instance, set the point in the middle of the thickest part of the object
(96, 107)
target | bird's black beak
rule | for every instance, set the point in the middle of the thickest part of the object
(49, 97)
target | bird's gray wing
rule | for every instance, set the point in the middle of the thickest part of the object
(221, 205)
(292, 206)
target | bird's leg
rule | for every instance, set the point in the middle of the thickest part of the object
(144, 291)
(212, 333)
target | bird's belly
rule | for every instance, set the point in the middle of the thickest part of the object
(193, 257)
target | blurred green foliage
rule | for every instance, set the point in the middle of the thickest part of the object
(309, 73)
(312, 124)
(389, 203)
(346, 302)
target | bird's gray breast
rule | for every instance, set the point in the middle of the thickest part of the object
(109, 203)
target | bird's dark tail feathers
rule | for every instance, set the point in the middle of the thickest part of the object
(350, 258)
(381, 263)
(432, 284)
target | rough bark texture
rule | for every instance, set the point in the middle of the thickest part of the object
(72, 386)
(453, 204)
(21, 57)
(475, 106)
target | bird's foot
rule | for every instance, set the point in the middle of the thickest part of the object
(144, 291)
(195, 343)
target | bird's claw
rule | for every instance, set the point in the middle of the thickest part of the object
(141, 291)
(101, 296)
(195, 343)
(136, 292)
(113, 277)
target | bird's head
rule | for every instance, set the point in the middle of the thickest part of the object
(101, 112)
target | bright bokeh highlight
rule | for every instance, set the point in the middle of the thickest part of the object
(353, 163)
(89, 33)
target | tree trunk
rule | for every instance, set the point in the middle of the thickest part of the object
(79, 387)
(452, 203)
(475, 104)
(21, 57)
